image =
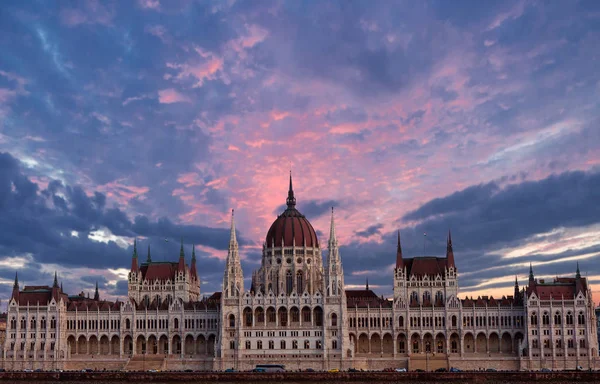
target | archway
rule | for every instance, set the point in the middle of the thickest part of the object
(128, 345)
(494, 343)
(318, 313)
(163, 345)
(306, 315)
(176, 345)
(401, 346)
(469, 343)
(152, 345)
(140, 345)
(454, 343)
(189, 345)
(114, 345)
(72, 345)
(259, 316)
(481, 343)
(388, 344)
(283, 316)
(375, 343)
(517, 340)
(415, 343)
(93, 345)
(363, 343)
(248, 316)
(271, 318)
(506, 343)
(82, 345)
(210, 349)
(201, 345)
(294, 316)
(428, 345)
(104, 345)
(440, 343)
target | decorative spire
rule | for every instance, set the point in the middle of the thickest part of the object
(135, 255)
(193, 252)
(291, 200)
(232, 237)
(399, 260)
(96, 293)
(61, 288)
(181, 253)
(149, 259)
(578, 274)
(15, 291)
(450, 251)
(134, 258)
(517, 293)
(16, 284)
(531, 277)
(55, 285)
(181, 265)
(367, 283)
(332, 236)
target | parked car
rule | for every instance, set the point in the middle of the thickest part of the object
(230, 370)
(545, 370)
(491, 370)
(334, 370)
(455, 370)
(259, 370)
(441, 370)
(309, 370)
(388, 369)
(400, 369)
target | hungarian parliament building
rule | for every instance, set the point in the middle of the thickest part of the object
(298, 313)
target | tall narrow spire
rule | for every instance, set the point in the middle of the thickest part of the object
(193, 252)
(531, 277)
(399, 260)
(233, 279)
(181, 266)
(96, 293)
(15, 291)
(291, 200)
(16, 284)
(517, 293)
(149, 259)
(181, 253)
(55, 284)
(578, 274)
(450, 251)
(232, 237)
(193, 269)
(332, 236)
(367, 284)
(134, 258)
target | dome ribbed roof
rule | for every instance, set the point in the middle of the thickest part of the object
(291, 226)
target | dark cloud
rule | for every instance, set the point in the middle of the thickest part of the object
(370, 231)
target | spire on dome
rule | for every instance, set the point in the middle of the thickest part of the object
(96, 293)
(149, 259)
(291, 200)
(55, 285)
(399, 260)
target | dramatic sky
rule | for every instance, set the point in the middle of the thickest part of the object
(153, 119)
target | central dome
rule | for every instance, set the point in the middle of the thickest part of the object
(291, 227)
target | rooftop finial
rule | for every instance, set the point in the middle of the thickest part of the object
(291, 200)
(16, 284)
(332, 236)
(96, 293)
(578, 274)
(531, 277)
(55, 285)
(135, 248)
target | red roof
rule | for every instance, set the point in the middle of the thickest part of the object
(159, 270)
(561, 287)
(291, 226)
(363, 298)
(427, 265)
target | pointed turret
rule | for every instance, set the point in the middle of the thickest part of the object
(233, 279)
(578, 281)
(332, 236)
(291, 200)
(578, 274)
(181, 266)
(517, 293)
(334, 275)
(450, 252)
(193, 271)
(15, 292)
(61, 287)
(55, 284)
(399, 260)
(96, 293)
(531, 277)
(149, 259)
(367, 287)
(134, 258)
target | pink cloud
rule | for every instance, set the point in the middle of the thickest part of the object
(206, 70)
(149, 4)
(170, 95)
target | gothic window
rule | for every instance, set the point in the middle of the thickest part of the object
(306, 344)
(306, 315)
(232, 344)
(259, 344)
(534, 319)
(318, 316)
(534, 344)
(414, 298)
(232, 321)
(260, 315)
(289, 284)
(43, 323)
(570, 343)
(318, 344)
(546, 343)
(439, 296)
(176, 323)
(454, 346)
(282, 344)
(248, 316)
(415, 346)
(33, 323)
(569, 318)
(582, 343)
(440, 347)
(333, 320)
(271, 344)
(426, 296)
(428, 347)
(454, 321)
(557, 320)
(401, 347)
(545, 319)
(299, 282)
(401, 321)
(248, 345)
(127, 324)
(581, 318)
(146, 300)
(334, 344)
(294, 344)
(558, 343)
(13, 323)
(295, 314)
(271, 315)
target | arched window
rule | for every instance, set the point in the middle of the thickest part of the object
(414, 298)
(306, 344)
(299, 282)
(439, 296)
(534, 319)
(127, 324)
(271, 344)
(33, 323)
(282, 344)
(582, 343)
(232, 321)
(569, 318)
(545, 319)
(248, 316)
(23, 323)
(401, 321)
(176, 323)
(454, 321)
(581, 318)
(289, 284)
(557, 318)
(333, 320)
(43, 323)
(426, 296)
